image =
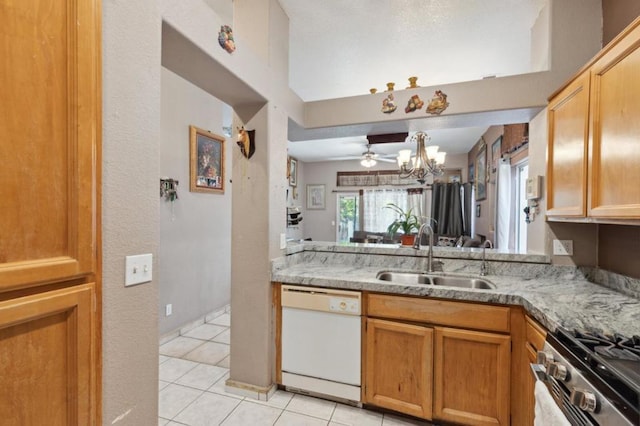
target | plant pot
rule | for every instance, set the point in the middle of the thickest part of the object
(407, 240)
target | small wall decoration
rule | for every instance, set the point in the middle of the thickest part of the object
(315, 197)
(293, 171)
(414, 103)
(478, 206)
(438, 103)
(169, 189)
(206, 161)
(388, 105)
(225, 38)
(481, 173)
(246, 142)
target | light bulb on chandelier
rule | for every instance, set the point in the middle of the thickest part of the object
(428, 160)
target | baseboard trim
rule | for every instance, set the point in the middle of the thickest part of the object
(184, 329)
(260, 393)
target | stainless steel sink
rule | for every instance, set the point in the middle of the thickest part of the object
(413, 278)
(404, 277)
(464, 282)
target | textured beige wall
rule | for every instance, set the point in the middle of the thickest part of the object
(538, 137)
(131, 134)
(619, 249)
(194, 273)
(616, 15)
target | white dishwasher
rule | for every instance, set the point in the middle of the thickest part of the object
(321, 333)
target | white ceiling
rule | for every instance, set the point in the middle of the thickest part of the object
(343, 48)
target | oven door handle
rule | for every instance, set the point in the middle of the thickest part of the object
(539, 372)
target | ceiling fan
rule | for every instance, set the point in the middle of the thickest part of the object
(369, 158)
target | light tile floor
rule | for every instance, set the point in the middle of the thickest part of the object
(193, 371)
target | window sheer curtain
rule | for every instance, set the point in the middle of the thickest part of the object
(376, 217)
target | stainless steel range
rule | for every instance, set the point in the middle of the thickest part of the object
(594, 379)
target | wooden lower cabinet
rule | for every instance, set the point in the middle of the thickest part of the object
(399, 367)
(47, 349)
(472, 377)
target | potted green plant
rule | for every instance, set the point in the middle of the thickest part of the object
(406, 221)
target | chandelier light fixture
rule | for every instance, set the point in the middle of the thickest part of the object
(427, 160)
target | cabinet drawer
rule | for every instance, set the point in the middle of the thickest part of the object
(536, 335)
(442, 312)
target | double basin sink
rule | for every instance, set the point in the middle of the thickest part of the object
(413, 278)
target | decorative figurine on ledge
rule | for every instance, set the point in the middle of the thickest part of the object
(246, 142)
(438, 103)
(414, 103)
(225, 38)
(388, 105)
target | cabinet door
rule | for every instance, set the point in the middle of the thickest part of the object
(614, 146)
(46, 352)
(568, 116)
(472, 376)
(399, 367)
(49, 140)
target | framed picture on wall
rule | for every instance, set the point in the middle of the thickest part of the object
(471, 176)
(481, 173)
(495, 154)
(206, 161)
(315, 197)
(293, 172)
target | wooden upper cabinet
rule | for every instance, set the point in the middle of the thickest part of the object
(568, 120)
(472, 377)
(614, 144)
(49, 140)
(399, 367)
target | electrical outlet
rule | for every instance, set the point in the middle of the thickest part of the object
(563, 247)
(168, 309)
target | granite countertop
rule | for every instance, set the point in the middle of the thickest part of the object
(556, 296)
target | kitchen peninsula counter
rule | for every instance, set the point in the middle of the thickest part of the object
(556, 296)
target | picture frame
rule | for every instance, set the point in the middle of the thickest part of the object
(481, 174)
(471, 176)
(496, 153)
(206, 161)
(315, 197)
(293, 171)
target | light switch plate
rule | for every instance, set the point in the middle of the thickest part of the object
(138, 269)
(283, 241)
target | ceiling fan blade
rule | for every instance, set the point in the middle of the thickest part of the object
(386, 160)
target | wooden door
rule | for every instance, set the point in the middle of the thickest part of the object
(399, 367)
(472, 377)
(614, 147)
(568, 121)
(50, 130)
(45, 358)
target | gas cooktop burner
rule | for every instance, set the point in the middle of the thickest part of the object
(614, 347)
(613, 358)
